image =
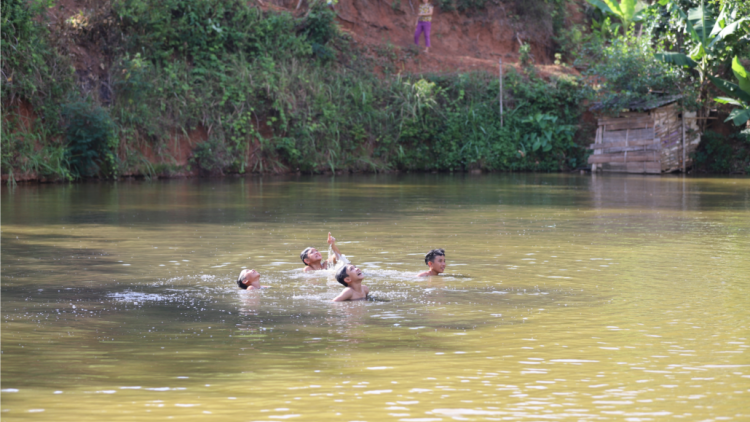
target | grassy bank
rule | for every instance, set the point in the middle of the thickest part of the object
(271, 93)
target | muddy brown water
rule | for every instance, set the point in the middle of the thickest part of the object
(565, 297)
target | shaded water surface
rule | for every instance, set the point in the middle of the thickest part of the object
(565, 297)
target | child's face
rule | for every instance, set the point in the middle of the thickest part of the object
(251, 277)
(438, 264)
(354, 274)
(313, 255)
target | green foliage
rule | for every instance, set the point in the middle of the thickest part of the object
(709, 34)
(626, 72)
(627, 11)
(446, 5)
(462, 131)
(320, 28)
(32, 70)
(721, 154)
(739, 93)
(210, 157)
(273, 93)
(92, 143)
(524, 55)
(541, 131)
(207, 32)
(461, 5)
(569, 40)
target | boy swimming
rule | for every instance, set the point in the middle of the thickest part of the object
(435, 259)
(249, 280)
(351, 277)
(311, 257)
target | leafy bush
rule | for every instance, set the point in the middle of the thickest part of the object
(32, 70)
(92, 143)
(722, 154)
(207, 32)
(626, 72)
(210, 157)
(265, 88)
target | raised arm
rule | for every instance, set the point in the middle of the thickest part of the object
(332, 243)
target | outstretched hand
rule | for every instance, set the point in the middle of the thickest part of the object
(331, 239)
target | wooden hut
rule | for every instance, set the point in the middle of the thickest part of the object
(658, 138)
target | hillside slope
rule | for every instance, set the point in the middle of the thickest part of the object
(462, 41)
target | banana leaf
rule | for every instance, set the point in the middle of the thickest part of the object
(739, 116)
(678, 59)
(742, 75)
(727, 100)
(601, 6)
(731, 89)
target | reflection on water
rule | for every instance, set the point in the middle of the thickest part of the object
(565, 297)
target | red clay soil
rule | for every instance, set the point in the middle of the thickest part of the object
(461, 41)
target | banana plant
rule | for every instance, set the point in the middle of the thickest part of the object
(706, 33)
(628, 11)
(739, 92)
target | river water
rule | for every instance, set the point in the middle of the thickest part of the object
(565, 298)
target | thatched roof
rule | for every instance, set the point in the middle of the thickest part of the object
(649, 102)
(652, 103)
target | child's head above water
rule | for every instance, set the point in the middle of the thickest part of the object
(248, 279)
(351, 277)
(348, 274)
(435, 259)
(310, 255)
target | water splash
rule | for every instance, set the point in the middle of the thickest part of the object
(341, 261)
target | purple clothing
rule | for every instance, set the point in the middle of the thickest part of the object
(423, 26)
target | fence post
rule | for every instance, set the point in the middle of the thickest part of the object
(501, 91)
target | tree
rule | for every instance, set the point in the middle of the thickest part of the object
(709, 38)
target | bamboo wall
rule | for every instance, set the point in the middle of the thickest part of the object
(648, 142)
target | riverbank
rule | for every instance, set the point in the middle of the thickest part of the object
(260, 89)
(144, 89)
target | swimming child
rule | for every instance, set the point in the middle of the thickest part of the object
(311, 257)
(435, 259)
(351, 277)
(249, 280)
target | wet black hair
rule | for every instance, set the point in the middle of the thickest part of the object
(303, 255)
(240, 282)
(341, 275)
(431, 255)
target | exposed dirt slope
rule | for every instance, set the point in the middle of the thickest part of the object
(461, 41)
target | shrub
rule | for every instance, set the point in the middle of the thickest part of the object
(626, 72)
(92, 143)
(722, 154)
(210, 157)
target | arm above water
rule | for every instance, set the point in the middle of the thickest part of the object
(336, 251)
(345, 295)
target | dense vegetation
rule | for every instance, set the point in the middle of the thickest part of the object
(638, 52)
(238, 71)
(279, 93)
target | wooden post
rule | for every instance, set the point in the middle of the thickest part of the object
(683, 142)
(597, 140)
(627, 135)
(500, 60)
